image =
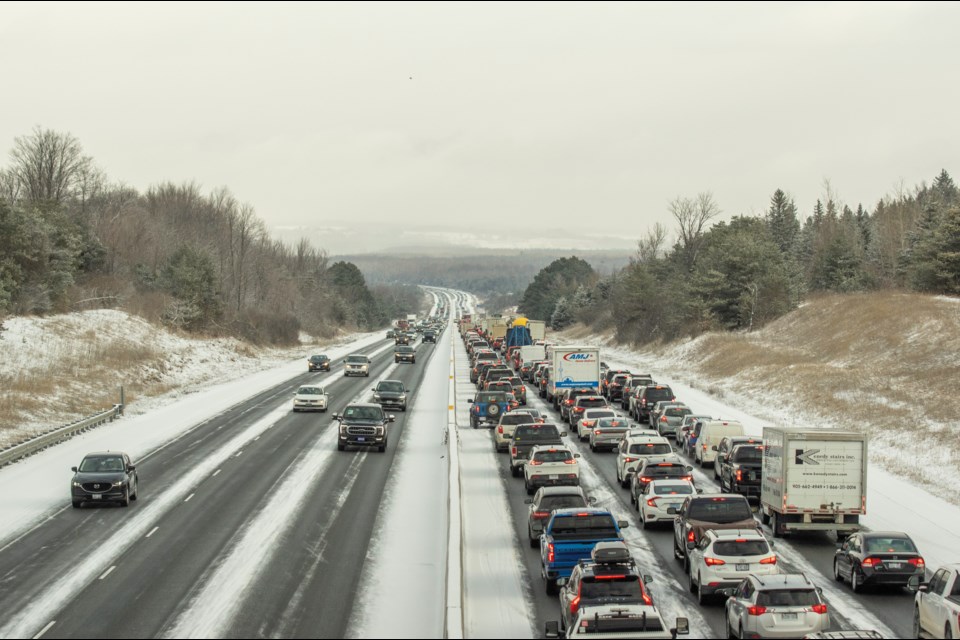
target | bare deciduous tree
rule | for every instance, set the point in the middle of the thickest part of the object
(48, 165)
(650, 246)
(692, 216)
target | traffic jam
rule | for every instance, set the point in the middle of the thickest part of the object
(696, 482)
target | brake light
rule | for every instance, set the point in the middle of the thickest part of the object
(611, 577)
(568, 402)
(500, 429)
(871, 562)
(769, 560)
(739, 475)
(820, 608)
(756, 610)
(629, 459)
(535, 462)
(665, 464)
(581, 515)
(690, 478)
(523, 389)
(578, 409)
(570, 461)
(917, 562)
(691, 537)
(704, 447)
(646, 479)
(647, 600)
(541, 514)
(713, 562)
(513, 451)
(652, 502)
(574, 605)
(663, 418)
(596, 431)
(550, 554)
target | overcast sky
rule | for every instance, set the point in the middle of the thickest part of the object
(489, 117)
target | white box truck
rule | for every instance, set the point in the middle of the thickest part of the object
(813, 480)
(532, 352)
(573, 367)
(538, 329)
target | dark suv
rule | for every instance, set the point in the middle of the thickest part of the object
(404, 353)
(318, 363)
(391, 393)
(650, 396)
(430, 336)
(104, 476)
(363, 425)
(702, 512)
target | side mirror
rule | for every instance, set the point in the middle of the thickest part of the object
(914, 585)
(74, 469)
(561, 582)
(713, 448)
(591, 499)
(576, 455)
(647, 579)
(631, 469)
(337, 416)
(469, 401)
(391, 417)
(691, 545)
(563, 434)
(699, 490)
(623, 524)
(528, 501)
(820, 590)
(373, 388)
(551, 629)
(672, 511)
(689, 468)
(132, 467)
(682, 628)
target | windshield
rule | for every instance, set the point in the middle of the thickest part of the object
(489, 397)
(552, 456)
(891, 544)
(390, 386)
(580, 527)
(310, 391)
(651, 448)
(626, 589)
(788, 598)
(748, 454)
(102, 464)
(363, 413)
(357, 359)
(740, 547)
(319, 358)
(549, 503)
(673, 489)
(676, 412)
(720, 510)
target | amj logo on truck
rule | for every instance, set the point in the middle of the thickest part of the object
(580, 357)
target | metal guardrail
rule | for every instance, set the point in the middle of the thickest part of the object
(43, 441)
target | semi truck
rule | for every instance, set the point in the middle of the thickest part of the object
(813, 480)
(573, 367)
(537, 328)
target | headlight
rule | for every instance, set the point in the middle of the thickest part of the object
(76, 484)
(379, 431)
(376, 395)
(118, 484)
(403, 396)
(343, 428)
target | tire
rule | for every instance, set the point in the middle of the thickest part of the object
(633, 498)
(775, 524)
(551, 586)
(382, 448)
(855, 585)
(836, 572)
(916, 623)
(514, 471)
(764, 517)
(690, 583)
(740, 635)
(730, 633)
(643, 520)
(125, 501)
(534, 542)
(77, 504)
(947, 632)
(677, 554)
(136, 494)
(702, 598)
(529, 488)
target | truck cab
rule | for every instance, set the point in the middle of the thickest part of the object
(570, 536)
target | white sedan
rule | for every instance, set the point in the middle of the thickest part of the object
(661, 499)
(310, 397)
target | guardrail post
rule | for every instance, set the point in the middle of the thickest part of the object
(123, 401)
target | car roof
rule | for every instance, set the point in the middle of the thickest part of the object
(364, 404)
(593, 397)
(562, 491)
(645, 437)
(884, 534)
(108, 453)
(780, 580)
(722, 534)
(572, 511)
(550, 447)
(655, 460)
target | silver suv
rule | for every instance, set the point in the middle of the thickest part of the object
(356, 364)
(775, 606)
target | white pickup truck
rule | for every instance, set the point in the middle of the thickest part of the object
(617, 621)
(936, 611)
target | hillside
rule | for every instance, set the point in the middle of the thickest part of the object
(62, 367)
(884, 363)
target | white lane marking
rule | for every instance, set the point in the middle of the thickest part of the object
(239, 453)
(257, 438)
(152, 531)
(189, 496)
(45, 629)
(107, 572)
(216, 472)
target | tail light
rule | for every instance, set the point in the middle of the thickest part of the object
(578, 409)
(513, 451)
(663, 418)
(629, 459)
(523, 389)
(541, 514)
(500, 429)
(535, 463)
(646, 479)
(756, 610)
(704, 447)
(596, 431)
(871, 562)
(550, 555)
(917, 562)
(713, 562)
(769, 560)
(568, 402)
(570, 461)
(739, 475)
(652, 502)
(574, 605)
(647, 600)
(691, 536)
(820, 608)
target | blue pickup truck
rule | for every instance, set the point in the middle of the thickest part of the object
(570, 536)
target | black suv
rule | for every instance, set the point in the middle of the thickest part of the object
(404, 353)
(391, 393)
(401, 338)
(651, 395)
(430, 336)
(318, 363)
(363, 425)
(104, 476)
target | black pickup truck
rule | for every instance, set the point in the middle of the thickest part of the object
(740, 470)
(528, 436)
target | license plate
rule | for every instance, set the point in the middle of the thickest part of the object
(96, 496)
(788, 616)
(743, 567)
(553, 476)
(361, 439)
(895, 565)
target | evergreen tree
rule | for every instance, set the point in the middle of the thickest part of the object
(561, 318)
(783, 222)
(560, 278)
(946, 261)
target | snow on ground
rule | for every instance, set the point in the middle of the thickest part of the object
(400, 553)
(31, 495)
(893, 503)
(496, 604)
(75, 355)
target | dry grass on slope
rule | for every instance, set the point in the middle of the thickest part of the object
(887, 363)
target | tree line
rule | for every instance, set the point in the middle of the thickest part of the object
(742, 273)
(199, 262)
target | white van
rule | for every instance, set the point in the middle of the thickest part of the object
(710, 436)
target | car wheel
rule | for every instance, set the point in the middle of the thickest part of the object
(702, 598)
(77, 504)
(855, 582)
(729, 629)
(690, 582)
(551, 586)
(529, 488)
(740, 635)
(534, 542)
(836, 572)
(947, 632)
(514, 471)
(775, 524)
(136, 493)
(633, 498)
(916, 623)
(677, 554)
(125, 501)
(382, 448)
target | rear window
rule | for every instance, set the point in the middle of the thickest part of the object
(619, 379)
(653, 448)
(720, 510)
(658, 395)
(487, 356)
(740, 548)
(748, 454)
(787, 598)
(534, 433)
(516, 418)
(489, 397)
(592, 402)
(515, 381)
(553, 456)
(668, 471)
(612, 423)
(600, 414)
(683, 489)
(549, 503)
(889, 545)
(584, 527)
(623, 589)
(677, 412)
